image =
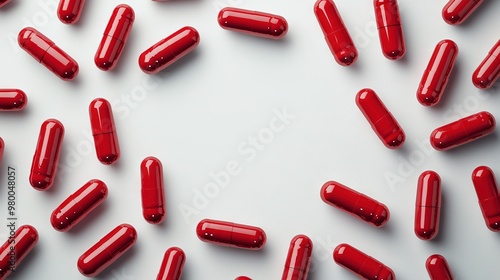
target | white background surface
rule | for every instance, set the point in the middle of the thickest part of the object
(200, 114)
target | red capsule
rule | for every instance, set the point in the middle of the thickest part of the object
(438, 268)
(107, 250)
(46, 157)
(336, 35)
(436, 74)
(152, 194)
(69, 11)
(231, 234)
(114, 38)
(457, 11)
(355, 203)
(169, 50)
(254, 23)
(428, 205)
(172, 264)
(389, 28)
(243, 278)
(78, 205)
(361, 264)
(487, 194)
(47, 53)
(4, 2)
(24, 241)
(298, 259)
(104, 131)
(462, 131)
(488, 71)
(381, 120)
(12, 100)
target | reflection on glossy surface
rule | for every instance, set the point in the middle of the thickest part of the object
(457, 11)
(47, 53)
(114, 38)
(427, 205)
(107, 250)
(169, 50)
(355, 203)
(336, 35)
(104, 131)
(2, 145)
(438, 268)
(46, 157)
(78, 205)
(69, 11)
(462, 131)
(253, 22)
(298, 259)
(381, 120)
(25, 239)
(489, 70)
(361, 264)
(435, 77)
(152, 193)
(172, 264)
(12, 100)
(231, 234)
(389, 28)
(487, 194)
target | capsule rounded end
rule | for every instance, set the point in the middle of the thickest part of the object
(493, 224)
(70, 71)
(104, 64)
(425, 234)
(278, 27)
(327, 190)
(347, 56)
(481, 81)
(59, 224)
(381, 216)
(154, 215)
(394, 54)
(386, 274)
(67, 17)
(436, 142)
(395, 139)
(40, 182)
(339, 252)
(108, 159)
(24, 36)
(450, 17)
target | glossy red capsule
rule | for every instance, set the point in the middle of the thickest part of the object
(69, 11)
(107, 250)
(47, 53)
(361, 264)
(78, 205)
(389, 28)
(172, 264)
(487, 194)
(25, 239)
(46, 157)
(435, 77)
(231, 234)
(457, 11)
(488, 71)
(438, 268)
(298, 259)
(243, 278)
(254, 23)
(152, 193)
(336, 35)
(4, 2)
(12, 99)
(355, 203)
(381, 120)
(104, 131)
(462, 131)
(169, 50)
(114, 38)
(428, 205)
